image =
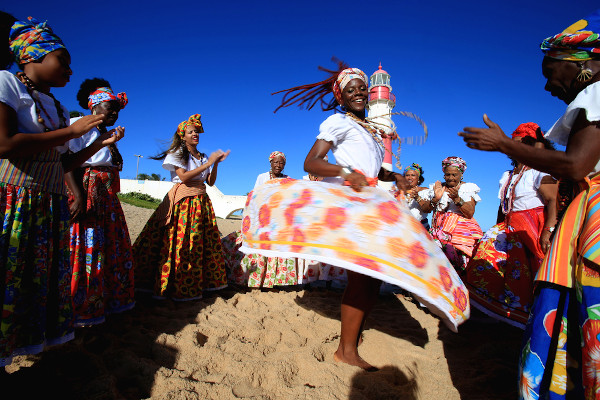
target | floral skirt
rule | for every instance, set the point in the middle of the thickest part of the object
(102, 260)
(560, 356)
(35, 273)
(500, 275)
(183, 258)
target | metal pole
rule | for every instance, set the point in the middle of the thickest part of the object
(138, 165)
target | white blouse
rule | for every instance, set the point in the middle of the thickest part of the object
(352, 145)
(527, 194)
(589, 100)
(14, 94)
(172, 161)
(466, 192)
(102, 156)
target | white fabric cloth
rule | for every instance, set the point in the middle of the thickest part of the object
(265, 176)
(352, 145)
(14, 94)
(328, 179)
(466, 192)
(172, 161)
(415, 210)
(526, 194)
(589, 100)
(101, 158)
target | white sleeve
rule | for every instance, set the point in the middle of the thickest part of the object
(468, 191)
(9, 91)
(537, 179)
(427, 194)
(334, 129)
(172, 161)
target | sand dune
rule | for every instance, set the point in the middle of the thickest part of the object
(252, 344)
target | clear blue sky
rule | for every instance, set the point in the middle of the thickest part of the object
(449, 62)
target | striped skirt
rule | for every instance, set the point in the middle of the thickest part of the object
(35, 272)
(184, 257)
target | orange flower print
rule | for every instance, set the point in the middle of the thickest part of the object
(314, 231)
(264, 215)
(344, 244)
(369, 223)
(275, 200)
(335, 217)
(248, 198)
(389, 212)
(285, 234)
(304, 199)
(246, 224)
(397, 247)
(418, 255)
(298, 238)
(367, 263)
(445, 278)
(289, 215)
(264, 236)
(460, 298)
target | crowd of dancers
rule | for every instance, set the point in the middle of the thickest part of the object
(66, 260)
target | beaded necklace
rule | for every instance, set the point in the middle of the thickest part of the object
(508, 196)
(377, 134)
(39, 106)
(273, 176)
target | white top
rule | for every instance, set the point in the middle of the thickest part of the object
(527, 195)
(352, 145)
(172, 161)
(415, 209)
(101, 158)
(589, 100)
(265, 176)
(327, 179)
(14, 94)
(466, 192)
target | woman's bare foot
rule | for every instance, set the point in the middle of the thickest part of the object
(353, 359)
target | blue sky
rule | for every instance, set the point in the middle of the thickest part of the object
(449, 63)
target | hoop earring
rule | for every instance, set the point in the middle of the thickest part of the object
(585, 74)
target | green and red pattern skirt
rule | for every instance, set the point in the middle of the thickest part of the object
(35, 273)
(181, 259)
(101, 253)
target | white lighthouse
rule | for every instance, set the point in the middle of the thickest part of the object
(380, 105)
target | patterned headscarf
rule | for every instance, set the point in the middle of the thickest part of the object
(527, 129)
(193, 120)
(455, 162)
(579, 42)
(343, 78)
(414, 167)
(276, 154)
(103, 94)
(29, 41)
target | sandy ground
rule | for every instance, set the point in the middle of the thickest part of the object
(253, 344)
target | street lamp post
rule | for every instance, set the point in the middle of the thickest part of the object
(138, 165)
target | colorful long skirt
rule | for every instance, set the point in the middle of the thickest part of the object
(500, 275)
(457, 237)
(35, 273)
(101, 255)
(367, 232)
(183, 258)
(254, 270)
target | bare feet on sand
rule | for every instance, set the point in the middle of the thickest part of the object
(353, 359)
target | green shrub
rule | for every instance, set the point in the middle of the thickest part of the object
(139, 199)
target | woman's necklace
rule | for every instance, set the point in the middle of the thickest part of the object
(377, 134)
(33, 91)
(273, 176)
(508, 190)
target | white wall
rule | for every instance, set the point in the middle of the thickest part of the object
(223, 205)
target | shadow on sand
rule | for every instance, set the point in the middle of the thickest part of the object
(389, 383)
(102, 362)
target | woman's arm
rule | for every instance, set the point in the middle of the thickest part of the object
(575, 163)
(77, 207)
(187, 176)
(20, 145)
(428, 206)
(315, 164)
(212, 176)
(549, 191)
(390, 176)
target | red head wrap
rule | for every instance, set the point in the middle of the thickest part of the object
(527, 129)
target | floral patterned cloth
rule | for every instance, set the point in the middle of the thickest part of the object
(183, 258)
(101, 255)
(368, 232)
(36, 308)
(254, 270)
(500, 275)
